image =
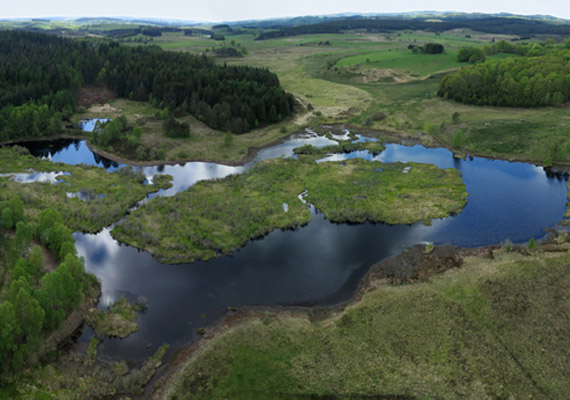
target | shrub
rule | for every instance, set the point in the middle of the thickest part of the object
(175, 129)
(378, 116)
(141, 153)
(132, 141)
(532, 244)
(433, 48)
(455, 117)
(228, 139)
(458, 139)
(471, 54)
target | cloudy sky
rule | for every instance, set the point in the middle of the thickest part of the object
(233, 10)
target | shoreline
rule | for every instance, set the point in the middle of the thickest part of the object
(426, 264)
(393, 138)
(421, 267)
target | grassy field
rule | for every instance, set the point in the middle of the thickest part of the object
(204, 143)
(494, 328)
(97, 198)
(311, 72)
(358, 74)
(217, 217)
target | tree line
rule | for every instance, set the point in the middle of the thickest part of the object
(535, 80)
(498, 25)
(428, 48)
(40, 73)
(474, 55)
(35, 301)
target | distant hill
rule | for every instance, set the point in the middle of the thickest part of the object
(514, 25)
(434, 21)
(288, 21)
(445, 15)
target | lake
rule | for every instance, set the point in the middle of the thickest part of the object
(318, 264)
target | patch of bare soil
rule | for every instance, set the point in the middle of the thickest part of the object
(371, 75)
(50, 262)
(89, 95)
(103, 108)
(303, 116)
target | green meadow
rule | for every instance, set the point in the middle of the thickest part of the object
(492, 328)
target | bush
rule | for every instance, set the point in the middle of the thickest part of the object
(548, 161)
(175, 129)
(141, 153)
(228, 139)
(471, 54)
(132, 141)
(458, 139)
(532, 244)
(455, 117)
(433, 48)
(378, 116)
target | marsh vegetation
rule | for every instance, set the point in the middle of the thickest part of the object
(217, 217)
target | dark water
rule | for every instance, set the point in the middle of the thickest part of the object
(69, 151)
(320, 263)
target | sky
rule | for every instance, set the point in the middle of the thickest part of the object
(236, 10)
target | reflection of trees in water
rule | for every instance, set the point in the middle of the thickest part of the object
(554, 174)
(49, 148)
(105, 161)
(456, 162)
(160, 168)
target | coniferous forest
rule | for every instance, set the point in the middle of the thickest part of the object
(39, 75)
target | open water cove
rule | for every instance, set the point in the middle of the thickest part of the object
(317, 264)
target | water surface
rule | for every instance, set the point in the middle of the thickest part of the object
(320, 263)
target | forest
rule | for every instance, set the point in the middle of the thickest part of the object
(39, 75)
(541, 78)
(33, 300)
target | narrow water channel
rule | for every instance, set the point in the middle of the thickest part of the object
(317, 264)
